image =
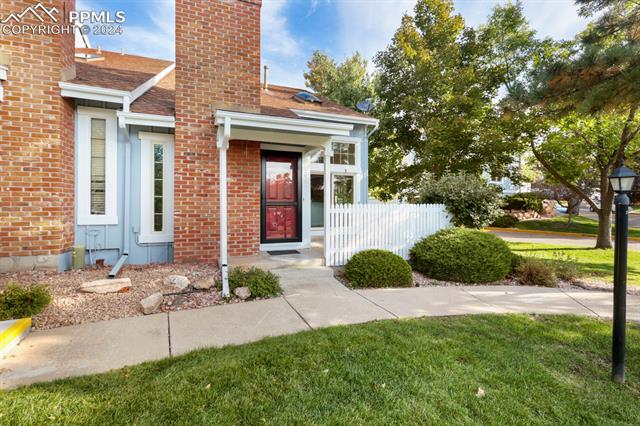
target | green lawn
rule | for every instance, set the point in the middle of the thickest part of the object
(592, 262)
(533, 369)
(579, 224)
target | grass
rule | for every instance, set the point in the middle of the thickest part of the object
(579, 225)
(591, 262)
(533, 369)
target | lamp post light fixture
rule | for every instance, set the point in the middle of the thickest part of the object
(622, 181)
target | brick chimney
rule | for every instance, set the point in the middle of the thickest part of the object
(36, 142)
(217, 67)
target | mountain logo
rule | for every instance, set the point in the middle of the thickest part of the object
(39, 11)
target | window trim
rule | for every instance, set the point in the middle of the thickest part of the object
(110, 216)
(356, 186)
(147, 233)
(343, 168)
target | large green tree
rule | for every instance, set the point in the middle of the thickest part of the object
(346, 83)
(588, 94)
(438, 86)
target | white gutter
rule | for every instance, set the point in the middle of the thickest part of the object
(258, 121)
(140, 119)
(224, 134)
(94, 93)
(340, 118)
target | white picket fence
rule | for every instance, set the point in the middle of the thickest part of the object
(393, 227)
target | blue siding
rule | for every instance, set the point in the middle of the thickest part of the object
(107, 241)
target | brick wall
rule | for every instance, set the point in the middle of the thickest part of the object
(217, 67)
(36, 139)
(243, 195)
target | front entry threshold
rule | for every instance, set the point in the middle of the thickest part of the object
(284, 246)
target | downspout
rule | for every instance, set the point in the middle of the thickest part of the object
(127, 195)
(224, 134)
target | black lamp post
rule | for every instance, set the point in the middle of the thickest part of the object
(622, 181)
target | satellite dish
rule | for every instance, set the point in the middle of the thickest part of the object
(365, 106)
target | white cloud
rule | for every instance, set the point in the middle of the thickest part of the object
(368, 26)
(153, 36)
(276, 37)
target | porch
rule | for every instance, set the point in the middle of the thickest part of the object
(311, 257)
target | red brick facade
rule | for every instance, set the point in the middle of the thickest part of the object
(36, 139)
(217, 67)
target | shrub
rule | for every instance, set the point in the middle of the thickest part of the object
(462, 255)
(261, 283)
(378, 268)
(531, 271)
(22, 302)
(565, 267)
(505, 221)
(470, 200)
(526, 201)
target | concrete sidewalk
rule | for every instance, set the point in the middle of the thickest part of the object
(561, 240)
(312, 298)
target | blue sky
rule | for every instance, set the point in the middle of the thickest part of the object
(292, 29)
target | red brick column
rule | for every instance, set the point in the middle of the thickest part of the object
(217, 67)
(36, 139)
(243, 164)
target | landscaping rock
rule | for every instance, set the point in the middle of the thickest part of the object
(242, 292)
(104, 286)
(151, 303)
(204, 284)
(178, 281)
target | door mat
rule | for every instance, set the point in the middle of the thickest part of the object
(282, 252)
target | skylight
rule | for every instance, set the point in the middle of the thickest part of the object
(306, 97)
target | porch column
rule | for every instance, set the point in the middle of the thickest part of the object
(328, 153)
(222, 142)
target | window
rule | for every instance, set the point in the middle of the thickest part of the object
(98, 139)
(97, 167)
(344, 154)
(343, 189)
(156, 187)
(317, 201)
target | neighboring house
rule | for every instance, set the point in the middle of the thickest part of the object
(142, 160)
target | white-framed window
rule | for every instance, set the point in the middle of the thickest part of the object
(344, 189)
(346, 156)
(97, 167)
(156, 187)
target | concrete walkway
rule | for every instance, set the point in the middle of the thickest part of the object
(312, 299)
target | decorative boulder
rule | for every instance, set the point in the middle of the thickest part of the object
(104, 286)
(178, 281)
(243, 293)
(151, 303)
(204, 284)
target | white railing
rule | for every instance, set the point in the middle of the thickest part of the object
(394, 227)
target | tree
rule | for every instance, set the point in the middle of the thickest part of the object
(593, 84)
(347, 83)
(437, 86)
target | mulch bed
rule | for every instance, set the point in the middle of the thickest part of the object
(70, 306)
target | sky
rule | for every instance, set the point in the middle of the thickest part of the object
(293, 29)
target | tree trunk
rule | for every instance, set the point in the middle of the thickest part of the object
(604, 227)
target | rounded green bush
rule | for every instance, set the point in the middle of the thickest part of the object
(525, 201)
(505, 221)
(378, 268)
(462, 255)
(261, 283)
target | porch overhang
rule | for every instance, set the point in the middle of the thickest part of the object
(265, 128)
(282, 130)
